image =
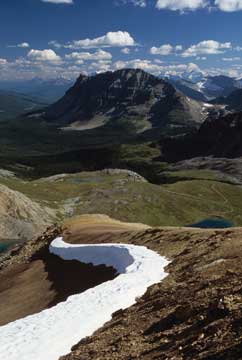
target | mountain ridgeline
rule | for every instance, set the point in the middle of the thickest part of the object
(126, 99)
(220, 137)
(136, 121)
(205, 88)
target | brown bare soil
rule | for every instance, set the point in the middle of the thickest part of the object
(42, 281)
(194, 314)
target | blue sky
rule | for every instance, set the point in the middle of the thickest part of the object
(50, 38)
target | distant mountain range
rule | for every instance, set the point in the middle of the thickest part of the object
(47, 91)
(124, 98)
(127, 99)
(109, 110)
(205, 88)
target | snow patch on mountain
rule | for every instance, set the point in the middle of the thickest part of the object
(52, 332)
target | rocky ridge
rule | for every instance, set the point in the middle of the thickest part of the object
(227, 169)
(233, 101)
(219, 136)
(20, 217)
(129, 98)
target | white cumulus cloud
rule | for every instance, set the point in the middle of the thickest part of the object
(99, 66)
(235, 58)
(87, 56)
(125, 51)
(155, 67)
(229, 5)
(140, 3)
(178, 47)
(111, 39)
(146, 65)
(44, 55)
(23, 45)
(181, 5)
(58, 1)
(207, 47)
(3, 61)
(192, 5)
(55, 44)
(165, 49)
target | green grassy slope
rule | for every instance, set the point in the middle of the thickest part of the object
(181, 203)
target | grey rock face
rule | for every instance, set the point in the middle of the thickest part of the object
(142, 99)
(20, 217)
(219, 136)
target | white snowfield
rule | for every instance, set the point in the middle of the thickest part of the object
(52, 332)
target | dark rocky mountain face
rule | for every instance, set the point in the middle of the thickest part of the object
(233, 101)
(224, 135)
(102, 92)
(127, 97)
(218, 136)
(221, 84)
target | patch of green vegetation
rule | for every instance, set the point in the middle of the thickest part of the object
(142, 158)
(184, 197)
(174, 176)
(137, 152)
(178, 204)
(130, 124)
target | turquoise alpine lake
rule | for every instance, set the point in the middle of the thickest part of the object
(213, 223)
(3, 247)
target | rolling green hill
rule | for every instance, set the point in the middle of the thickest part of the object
(128, 197)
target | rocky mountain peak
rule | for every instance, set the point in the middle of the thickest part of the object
(133, 96)
(125, 79)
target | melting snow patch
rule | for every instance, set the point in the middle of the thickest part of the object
(52, 332)
(206, 105)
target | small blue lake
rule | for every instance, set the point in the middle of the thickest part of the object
(213, 223)
(6, 245)
(3, 247)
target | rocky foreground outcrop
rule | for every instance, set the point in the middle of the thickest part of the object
(195, 313)
(20, 217)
